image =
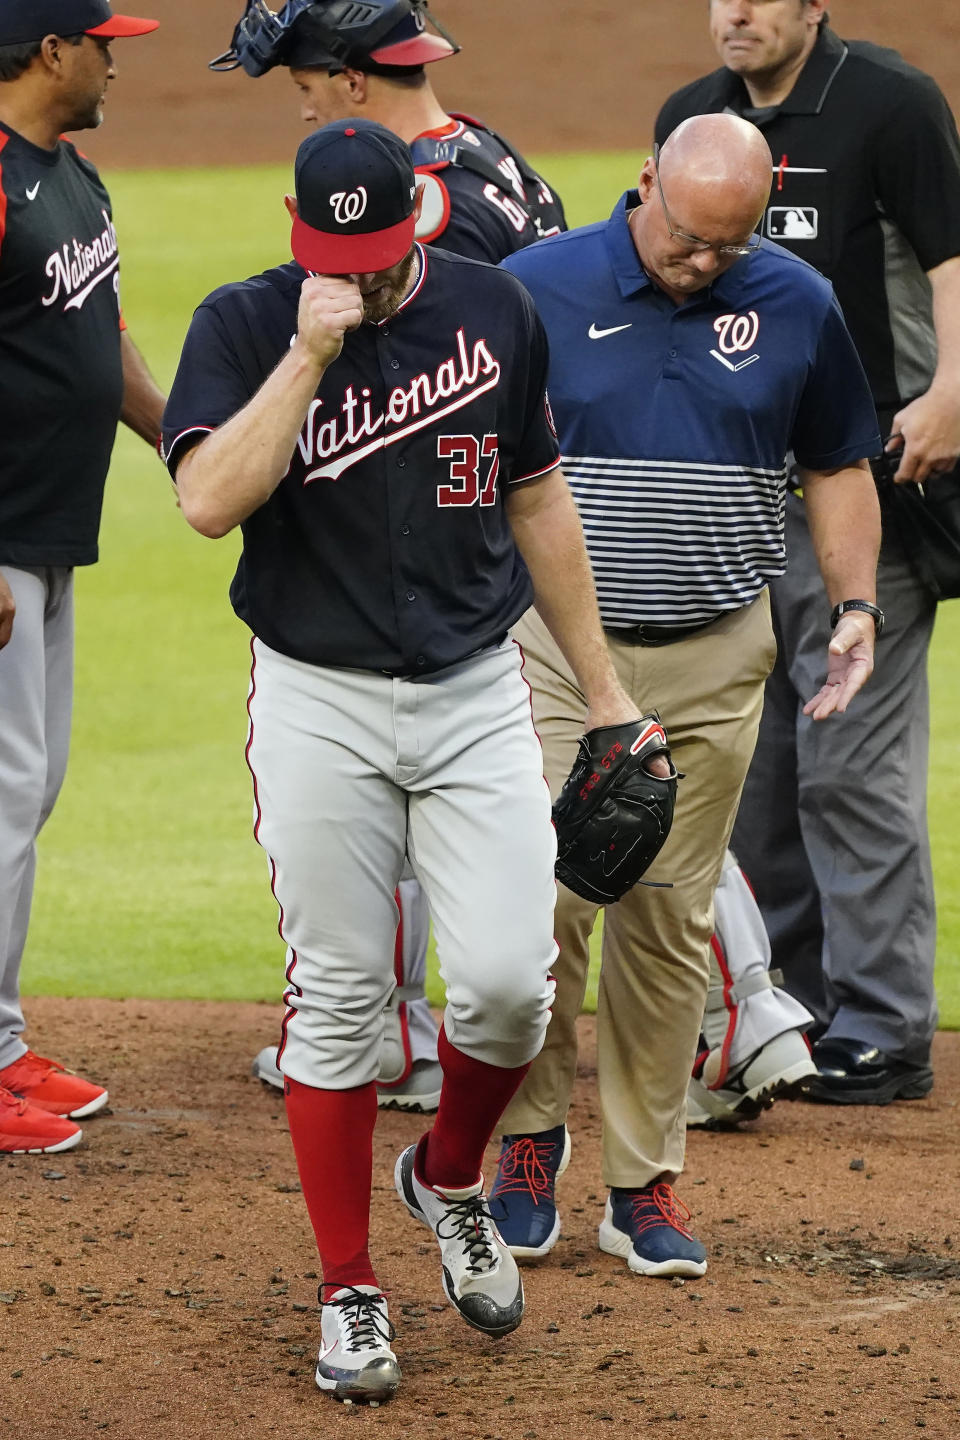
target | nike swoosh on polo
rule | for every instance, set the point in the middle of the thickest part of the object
(32, 194)
(596, 334)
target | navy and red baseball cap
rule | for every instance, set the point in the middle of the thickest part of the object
(22, 21)
(394, 37)
(356, 192)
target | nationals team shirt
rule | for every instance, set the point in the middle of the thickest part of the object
(675, 420)
(61, 382)
(482, 198)
(386, 546)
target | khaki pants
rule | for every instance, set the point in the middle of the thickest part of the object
(656, 943)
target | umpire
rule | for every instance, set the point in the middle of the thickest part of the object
(866, 187)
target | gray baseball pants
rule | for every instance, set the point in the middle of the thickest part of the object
(832, 828)
(355, 770)
(36, 697)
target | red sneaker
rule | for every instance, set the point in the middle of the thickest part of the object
(51, 1087)
(25, 1129)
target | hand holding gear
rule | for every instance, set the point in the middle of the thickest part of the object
(612, 815)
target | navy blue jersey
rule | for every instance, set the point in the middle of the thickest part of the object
(386, 546)
(481, 197)
(61, 381)
(675, 420)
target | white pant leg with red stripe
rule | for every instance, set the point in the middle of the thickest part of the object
(745, 1006)
(409, 1031)
(353, 770)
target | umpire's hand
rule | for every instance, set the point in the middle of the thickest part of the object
(330, 305)
(927, 434)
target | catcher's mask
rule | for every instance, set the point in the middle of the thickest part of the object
(387, 36)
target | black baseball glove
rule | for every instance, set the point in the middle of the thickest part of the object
(612, 816)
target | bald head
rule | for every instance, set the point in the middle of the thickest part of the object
(715, 171)
(714, 182)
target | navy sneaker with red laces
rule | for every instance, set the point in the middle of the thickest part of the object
(522, 1197)
(648, 1228)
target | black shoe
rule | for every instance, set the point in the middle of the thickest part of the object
(851, 1072)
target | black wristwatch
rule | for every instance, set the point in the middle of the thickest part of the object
(863, 605)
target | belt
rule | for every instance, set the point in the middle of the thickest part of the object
(655, 634)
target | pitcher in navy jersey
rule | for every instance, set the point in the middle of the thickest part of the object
(68, 373)
(374, 418)
(482, 198)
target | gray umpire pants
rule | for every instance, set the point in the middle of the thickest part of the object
(36, 693)
(832, 828)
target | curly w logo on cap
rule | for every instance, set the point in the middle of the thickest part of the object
(356, 192)
(347, 208)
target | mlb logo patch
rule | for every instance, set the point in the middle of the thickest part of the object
(793, 222)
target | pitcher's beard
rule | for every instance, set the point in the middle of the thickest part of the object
(385, 300)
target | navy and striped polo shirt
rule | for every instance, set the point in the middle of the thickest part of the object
(675, 421)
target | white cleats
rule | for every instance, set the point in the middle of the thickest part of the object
(265, 1067)
(480, 1276)
(356, 1364)
(780, 1069)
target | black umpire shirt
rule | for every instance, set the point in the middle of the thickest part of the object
(386, 546)
(866, 187)
(61, 381)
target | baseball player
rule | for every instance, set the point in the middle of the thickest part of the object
(480, 198)
(68, 373)
(374, 418)
(753, 1047)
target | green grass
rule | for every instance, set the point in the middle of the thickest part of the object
(150, 883)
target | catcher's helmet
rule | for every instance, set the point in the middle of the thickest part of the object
(373, 35)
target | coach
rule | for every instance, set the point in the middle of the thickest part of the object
(686, 360)
(68, 373)
(866, 186)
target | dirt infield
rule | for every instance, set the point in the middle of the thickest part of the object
(159, 1282)
(585, 76)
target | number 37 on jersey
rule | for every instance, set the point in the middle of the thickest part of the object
(474, 465)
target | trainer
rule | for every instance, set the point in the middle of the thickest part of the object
(68, 372)
(866, 187)
(686, 360)
(480, 198)
(374, 418)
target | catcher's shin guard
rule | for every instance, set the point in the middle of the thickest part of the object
(754, 1047)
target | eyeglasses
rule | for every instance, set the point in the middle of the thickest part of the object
(733, 252)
